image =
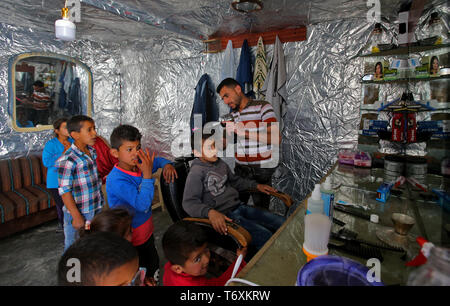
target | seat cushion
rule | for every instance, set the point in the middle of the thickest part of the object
(20, 205)
(5, 177)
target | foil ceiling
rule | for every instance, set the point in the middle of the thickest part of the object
(130, 20)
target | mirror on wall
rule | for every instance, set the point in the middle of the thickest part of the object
(44, 87)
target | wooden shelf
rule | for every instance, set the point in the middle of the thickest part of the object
(405, 50)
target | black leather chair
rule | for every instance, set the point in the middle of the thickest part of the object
(224, 246)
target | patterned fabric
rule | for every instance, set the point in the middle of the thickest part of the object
(259, 114)
(260, 73)
(77, 173)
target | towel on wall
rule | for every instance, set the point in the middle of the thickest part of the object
(228, 66)
(275, 84)
(259, 76)
(244, 73)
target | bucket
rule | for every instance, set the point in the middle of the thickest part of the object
(331, 270)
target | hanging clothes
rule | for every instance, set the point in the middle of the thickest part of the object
(204, 103)
(62, 100)
(244, 73)
(259, 76)
(275, 84)
(74, 98)
(228, 66)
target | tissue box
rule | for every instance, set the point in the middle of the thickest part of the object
(346, 157)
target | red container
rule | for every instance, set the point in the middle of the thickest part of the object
(411, 135)
(397, 127)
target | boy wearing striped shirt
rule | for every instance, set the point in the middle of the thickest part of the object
(256, 126)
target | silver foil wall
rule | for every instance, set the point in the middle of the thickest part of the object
(103, 60)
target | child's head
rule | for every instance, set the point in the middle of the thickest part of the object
(117, 220)
(60, 127)
(100, 259)
(208, 152)
(125, 143)
(82, 129)
(185, 246)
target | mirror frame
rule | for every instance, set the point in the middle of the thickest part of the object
(12, 87)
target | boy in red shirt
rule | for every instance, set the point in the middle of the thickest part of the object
(185, 246)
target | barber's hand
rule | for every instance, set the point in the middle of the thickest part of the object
(146, 165)
(169, 173)
(218, 221)
(266, 188)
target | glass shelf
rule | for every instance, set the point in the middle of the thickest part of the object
(405, 50)
(407, 80)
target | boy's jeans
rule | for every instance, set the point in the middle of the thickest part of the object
(261, 224)
(70, 233)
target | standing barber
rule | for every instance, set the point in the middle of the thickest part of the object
(257, 131)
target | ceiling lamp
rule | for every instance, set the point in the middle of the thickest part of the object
(64, 28)
(247, 6)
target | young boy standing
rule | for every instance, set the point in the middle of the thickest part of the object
(130, 185)
(78, 181)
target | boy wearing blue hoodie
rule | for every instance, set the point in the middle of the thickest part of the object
(130, 185)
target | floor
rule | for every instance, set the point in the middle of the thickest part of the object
(30, 258)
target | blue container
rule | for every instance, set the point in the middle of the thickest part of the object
(331, 270)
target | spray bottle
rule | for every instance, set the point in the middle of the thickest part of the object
(315, 202)
(327, 197)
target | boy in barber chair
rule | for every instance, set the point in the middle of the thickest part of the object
(212, 191)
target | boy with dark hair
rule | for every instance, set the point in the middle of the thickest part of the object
(130, 184)
(212, 191)
(99, 259)
(186, 249)
(78, 181)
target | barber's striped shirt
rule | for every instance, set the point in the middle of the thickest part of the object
(256, 116)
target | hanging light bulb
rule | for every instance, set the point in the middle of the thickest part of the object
(64, 28)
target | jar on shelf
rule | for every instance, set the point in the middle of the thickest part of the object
(436, 271)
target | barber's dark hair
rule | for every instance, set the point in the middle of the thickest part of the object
(204, 137)
(228, 82)
(98, 254)
(123, 133)
(76, 123)
(115, 220)
(181, 239)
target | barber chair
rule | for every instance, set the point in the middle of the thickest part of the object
(223, 247)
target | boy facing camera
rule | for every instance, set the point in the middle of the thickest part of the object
(186, 249)
(212, 191)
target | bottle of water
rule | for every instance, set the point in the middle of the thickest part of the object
(436, 271)
(315, 202)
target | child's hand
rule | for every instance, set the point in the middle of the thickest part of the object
(146, 165)
(218, 221)
(169, 173)
(266, 188)
(241, 251)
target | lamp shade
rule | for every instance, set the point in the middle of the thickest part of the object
(65, 29)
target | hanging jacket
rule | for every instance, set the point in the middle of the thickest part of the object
(74, 101)
(204, 102)
(275, 85)
(244, 73)
(228, 66)
(62, 100)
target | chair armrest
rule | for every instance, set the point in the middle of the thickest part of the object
(287, 200)
(237, 232)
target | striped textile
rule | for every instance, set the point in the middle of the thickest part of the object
(256, 116)
(260, 73)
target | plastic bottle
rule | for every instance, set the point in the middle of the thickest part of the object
(315, 202)
(436, 271)
(327, 197)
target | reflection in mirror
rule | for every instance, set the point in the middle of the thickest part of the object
(46, 87)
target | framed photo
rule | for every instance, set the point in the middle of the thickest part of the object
(434, 66)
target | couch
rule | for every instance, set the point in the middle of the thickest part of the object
(24, 199)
